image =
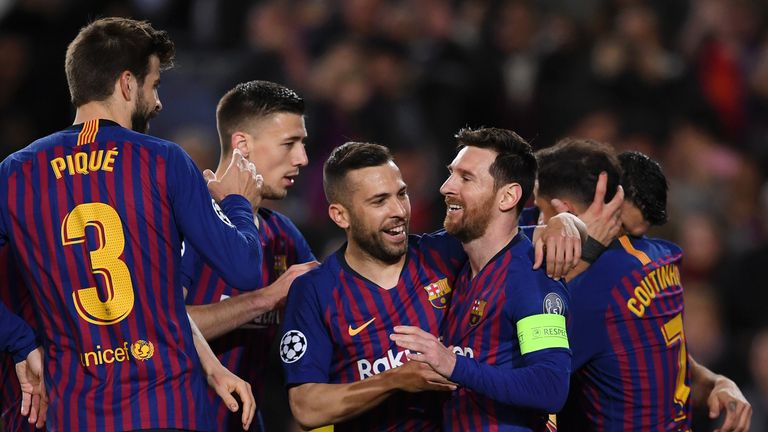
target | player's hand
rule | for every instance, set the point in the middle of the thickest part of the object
(561, 241)
(414, 376)
(425, 348)
(603, 220)
(225, 383)
(738, 411)
(278, 290)
(240, 178)
(34, 401)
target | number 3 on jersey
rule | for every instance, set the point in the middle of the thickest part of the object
(105, 261)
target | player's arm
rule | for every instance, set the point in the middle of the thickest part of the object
(561, 240)
(319, 404)
(718, 392)
(18, 339)
(542, 384)
(603, 224)
(230, 244)
(222, 380)
(220, 318)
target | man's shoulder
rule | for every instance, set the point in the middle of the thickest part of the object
(437, 241)
(323, 277)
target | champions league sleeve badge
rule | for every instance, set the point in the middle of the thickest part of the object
(554, 304)
(293, 345)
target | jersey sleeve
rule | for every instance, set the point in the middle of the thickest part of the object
(305, 348)
(190, 268)
(538, 307)
(16, 337)
(225, 236)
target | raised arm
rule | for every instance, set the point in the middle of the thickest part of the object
(225, 236)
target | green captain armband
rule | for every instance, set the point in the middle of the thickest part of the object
(538, 332)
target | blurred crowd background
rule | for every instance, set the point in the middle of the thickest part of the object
(683, 81)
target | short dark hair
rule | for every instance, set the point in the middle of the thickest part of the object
(514, 163)
(645, 185)
(253, 100)
(572, 166)
(348, 157)
(105, 48)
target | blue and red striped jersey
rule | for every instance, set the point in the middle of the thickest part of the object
(629, 350)
(15, 296)
(507, 325)
(507, 378)
(245, 351)
(337, 327)
(95, 215)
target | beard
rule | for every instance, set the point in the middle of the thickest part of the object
(371, 242)
(473, 223)
(141, 115)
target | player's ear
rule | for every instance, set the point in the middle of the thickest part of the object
(125, 84)
(510, 196)
(238, 140)
(339, 215)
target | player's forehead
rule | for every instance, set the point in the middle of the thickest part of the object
(277, 126)
(473, 160)
(368, 182)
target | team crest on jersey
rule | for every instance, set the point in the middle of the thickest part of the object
(220, 213)
(438, 293)
(281, 264)
(553, 304)
(142, 350)
(477, 311)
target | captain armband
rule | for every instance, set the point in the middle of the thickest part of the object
(538, 332)
(592, 250)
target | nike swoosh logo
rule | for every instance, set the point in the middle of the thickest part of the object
(355, 331)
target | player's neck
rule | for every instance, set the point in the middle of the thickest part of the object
(377, 271)
(482, 249)
(101, 110)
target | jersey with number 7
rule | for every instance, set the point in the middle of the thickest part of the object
(629, 350)
(95, 215)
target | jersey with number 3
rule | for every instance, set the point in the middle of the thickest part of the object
(629, 350)
(95, 215)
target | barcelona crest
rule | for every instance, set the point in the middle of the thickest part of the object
(438, 293)
(477, 311)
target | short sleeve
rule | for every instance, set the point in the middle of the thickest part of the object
(305, 346)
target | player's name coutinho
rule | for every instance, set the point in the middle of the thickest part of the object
(651, 286)
(84, 162)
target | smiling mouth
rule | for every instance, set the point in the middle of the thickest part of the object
(396, 231)
(454, 208)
